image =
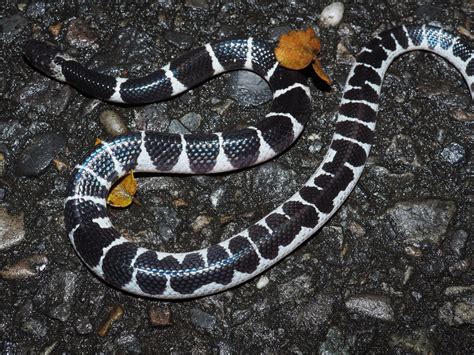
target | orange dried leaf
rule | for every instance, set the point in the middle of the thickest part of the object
(318, 69)
(122, 194)
(297, 49)
(98, 141)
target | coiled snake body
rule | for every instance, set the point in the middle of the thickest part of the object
(231, 262)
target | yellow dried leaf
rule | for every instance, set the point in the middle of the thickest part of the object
(122, 194)
(297, 49)
(318, 69)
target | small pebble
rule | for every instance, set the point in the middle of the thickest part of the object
(130, 343)
(407, 274)
(200, 222)
(36, 9)
(417, 341)
(217, 196)
(113, 123)
(336, 342)
(38, 154)
(21, 6)
(413, 251)
(344, 55)
(179, 202)
(152, 117)
(464, 312)
(453, 153)
(221, 107)
(80, 35)
(12, 25)
(34, 327)
(373, 306)
(114, 315)
(332, 14)
(460, 267)
(48, 350)
(458, 290)
(262, 282)
(159, 316)
(191, 121)
(44, 96)
(315, 147)
(402, 150)
(463, 116)
(59, 165)
(84, 326)
(12, 229)
(458, 241)
(202, 319)
(61, 312)
(248, 88)
(177, 127)
(356, 229)
(441, 135)
(59, 293)
(314, 137)
(424, 220)
(25, 268)
(274, 179)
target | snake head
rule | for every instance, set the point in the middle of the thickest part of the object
(45, 57)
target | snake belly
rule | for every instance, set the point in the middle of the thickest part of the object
(150, 273)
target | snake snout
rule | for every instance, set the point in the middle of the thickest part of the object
(41, 55)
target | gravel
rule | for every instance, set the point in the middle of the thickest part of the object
(12, 229)
(415, 222)
(373, 306)
(390, 273)
(38, 154)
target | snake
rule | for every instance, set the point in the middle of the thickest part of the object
(156, 274)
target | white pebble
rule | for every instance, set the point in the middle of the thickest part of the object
(113, 123)
(262, 282)
(332, 14)
(314, 137)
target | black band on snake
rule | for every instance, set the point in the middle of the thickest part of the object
(245, 255)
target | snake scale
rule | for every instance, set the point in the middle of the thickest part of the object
(150, 273)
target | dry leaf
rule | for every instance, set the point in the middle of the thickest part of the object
(297, 49)
(318, 69)
(122, 194)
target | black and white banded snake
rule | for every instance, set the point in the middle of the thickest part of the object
(145, 272)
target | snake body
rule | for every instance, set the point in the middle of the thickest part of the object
(138, 270)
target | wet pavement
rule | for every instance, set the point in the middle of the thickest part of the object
(392, 270)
